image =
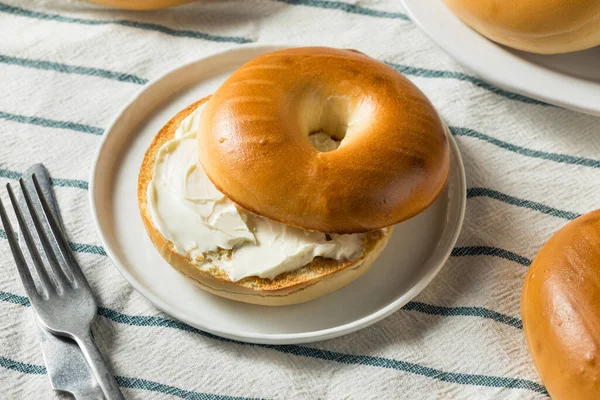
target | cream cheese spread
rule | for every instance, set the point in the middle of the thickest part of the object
(189, 211)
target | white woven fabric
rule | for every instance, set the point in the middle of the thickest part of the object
(66, 67)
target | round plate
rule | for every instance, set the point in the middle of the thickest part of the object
(416, 251)
(569, 80)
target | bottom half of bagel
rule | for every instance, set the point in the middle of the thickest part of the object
(315, 279)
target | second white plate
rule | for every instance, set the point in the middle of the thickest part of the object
(568, 80)
(416, 251)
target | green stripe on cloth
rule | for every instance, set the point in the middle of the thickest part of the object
(14, 299)
(87, 248)
(78, 247)
(411, 306)
(344, 358)
(72, 183)
(556, 157)
(24, 368)
(143, 384)
(432, 73)
(124, 382)
(22, 12)
(346, 7)
(380, 362)
(490, 251)
(337, 5)
(544, 209)
(465, 312)
(9, 174)
(51, 123)
(72, 69)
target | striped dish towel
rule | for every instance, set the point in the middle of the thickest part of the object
(66, 67)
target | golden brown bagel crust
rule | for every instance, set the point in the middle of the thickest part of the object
(392, 164)
(320, 277)
(537, 26)
(560, 307)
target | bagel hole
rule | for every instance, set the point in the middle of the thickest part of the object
(323, 141)
(326, 118)
(331, 127)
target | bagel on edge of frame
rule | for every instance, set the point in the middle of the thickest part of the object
(536, 26)
(319, 277)
(393, 158)
(560, 307)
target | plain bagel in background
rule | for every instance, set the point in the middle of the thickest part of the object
(537, 26)
(560, 306)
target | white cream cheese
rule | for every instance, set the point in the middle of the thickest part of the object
(189, 211)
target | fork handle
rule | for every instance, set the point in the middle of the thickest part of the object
(100, 370)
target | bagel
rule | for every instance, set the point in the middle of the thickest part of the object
(537, 26)
(392, 161)
(315, 279)
(560, 306)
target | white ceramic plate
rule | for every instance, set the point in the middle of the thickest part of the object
(417, 249)
(568, 80)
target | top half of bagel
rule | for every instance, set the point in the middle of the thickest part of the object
(538, 26)
(393, 156)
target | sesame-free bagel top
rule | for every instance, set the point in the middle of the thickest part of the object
(391, 164)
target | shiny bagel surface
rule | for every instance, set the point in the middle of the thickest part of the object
(538, 26)
(560, 306)
(392, 163)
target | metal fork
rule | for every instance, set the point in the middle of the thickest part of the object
(64, 305)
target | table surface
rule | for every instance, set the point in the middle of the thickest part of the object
(66, 67)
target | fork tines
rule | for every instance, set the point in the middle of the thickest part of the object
(58, 280)
(16, 251)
